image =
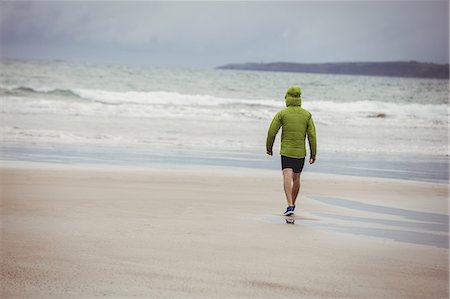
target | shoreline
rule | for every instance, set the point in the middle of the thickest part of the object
(412, 167)
(196, 169)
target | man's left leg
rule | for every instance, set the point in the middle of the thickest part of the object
(287, 184)
(295, 186)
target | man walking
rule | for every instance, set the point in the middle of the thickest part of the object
(296, 123)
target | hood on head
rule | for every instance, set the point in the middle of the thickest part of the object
(293, 96)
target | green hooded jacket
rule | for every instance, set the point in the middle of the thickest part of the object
(296, 123)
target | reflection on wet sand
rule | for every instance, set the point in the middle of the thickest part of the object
(429, 229)
(409, 214)
(289, 220)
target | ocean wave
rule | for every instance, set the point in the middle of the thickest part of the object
(23, 90)
(95, 102)
(138, 97)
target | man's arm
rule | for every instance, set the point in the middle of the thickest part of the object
(312, 140)
(272, 133)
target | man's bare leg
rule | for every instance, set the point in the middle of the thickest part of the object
(287, 183)
(295, 186)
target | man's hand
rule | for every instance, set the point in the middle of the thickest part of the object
(269, 152)
(312, 159)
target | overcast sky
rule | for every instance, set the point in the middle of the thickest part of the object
(208, 34)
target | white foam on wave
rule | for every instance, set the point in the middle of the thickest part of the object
(91, 102)
(168, 98)
(26, 135)
(147, 98)
(366, 112)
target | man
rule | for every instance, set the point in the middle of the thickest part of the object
(296, 123)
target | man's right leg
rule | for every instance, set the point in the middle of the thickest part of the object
(287, 183)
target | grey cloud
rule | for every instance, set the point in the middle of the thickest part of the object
(213, 33)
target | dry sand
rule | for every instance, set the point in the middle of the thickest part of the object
(81, 232)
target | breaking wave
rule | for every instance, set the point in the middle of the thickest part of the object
(104, 103)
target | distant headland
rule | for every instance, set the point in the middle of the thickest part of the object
(412, 69)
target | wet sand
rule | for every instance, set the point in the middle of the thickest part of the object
(84, 232)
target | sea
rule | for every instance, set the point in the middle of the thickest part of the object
(105, 114)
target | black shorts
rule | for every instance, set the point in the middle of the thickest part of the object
(295, 163)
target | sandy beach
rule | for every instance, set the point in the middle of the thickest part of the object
(141, 148)
(83, 232)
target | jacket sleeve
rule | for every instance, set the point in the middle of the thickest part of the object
(312, 137)
(273, 130)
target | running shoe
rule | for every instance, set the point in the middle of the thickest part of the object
(289, 211)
